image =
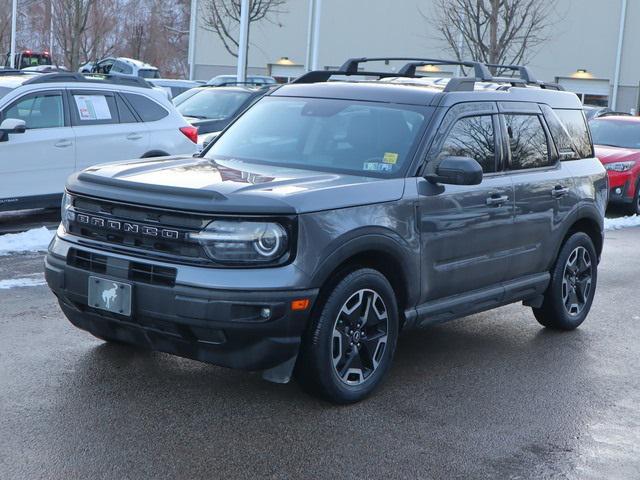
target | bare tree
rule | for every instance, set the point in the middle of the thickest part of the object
(494, 31)
(72, 25)
(223, 18)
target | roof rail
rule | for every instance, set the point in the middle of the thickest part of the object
(11, 71)
(89, 78)
(481, 73)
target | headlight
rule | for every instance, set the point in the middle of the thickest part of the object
(230, 241)
(620, 166)
(66, 214)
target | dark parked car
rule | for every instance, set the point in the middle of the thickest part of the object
(330, 216)
(212, 109)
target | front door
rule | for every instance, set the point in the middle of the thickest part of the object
(465, 230)
(34, 166)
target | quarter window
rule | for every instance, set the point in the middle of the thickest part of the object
(527, 142)
(43, 110)
(575, 125)
(147, 109)
(472, 137)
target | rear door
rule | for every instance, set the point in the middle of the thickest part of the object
(106, 128)
(465, 230)
(544, 188)
(37, 162)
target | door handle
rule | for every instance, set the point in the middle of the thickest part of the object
(559, 191)
(134, 136)
(497, 200)
(63, 144)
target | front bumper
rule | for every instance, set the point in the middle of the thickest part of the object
(217, 326)
(622, 186)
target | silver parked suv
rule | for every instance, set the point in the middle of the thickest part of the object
(332, 215)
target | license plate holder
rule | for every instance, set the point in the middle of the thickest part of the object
(110, 295)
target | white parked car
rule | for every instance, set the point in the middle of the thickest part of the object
(173, 87)
(71, 122)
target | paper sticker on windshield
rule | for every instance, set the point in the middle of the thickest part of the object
(92, 107)
(390, 157)
(377, 167)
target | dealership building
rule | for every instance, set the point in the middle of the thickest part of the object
(589, 50)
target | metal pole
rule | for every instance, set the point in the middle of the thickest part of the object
(308, 61)
(14, 26)
(51, 33)
(316, 34)
(243, 43)
(193, 27)
(616, 75)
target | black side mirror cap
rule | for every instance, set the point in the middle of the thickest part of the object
(457, 171)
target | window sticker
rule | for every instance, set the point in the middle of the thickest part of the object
(390, 157)
(92, 107)
(377, 167)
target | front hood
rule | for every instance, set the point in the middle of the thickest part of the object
(608, 154)
(231, 186)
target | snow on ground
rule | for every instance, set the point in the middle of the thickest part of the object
(30, 281)
(34, 240)
(622, 222)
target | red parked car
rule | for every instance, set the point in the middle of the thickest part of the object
(617, 145)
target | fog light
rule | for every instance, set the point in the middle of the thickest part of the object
(618, 191)
(265, 313)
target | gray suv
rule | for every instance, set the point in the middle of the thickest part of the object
(332, 215)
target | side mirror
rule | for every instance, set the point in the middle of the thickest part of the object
(457, 171)
(11, 126)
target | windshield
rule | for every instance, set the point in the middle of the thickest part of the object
(213, 104)
(149, 73)
(616, 133)
(322, 134)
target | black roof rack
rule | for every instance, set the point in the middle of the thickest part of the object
(234, 83)
(481, 73)
(88, 78)
(11, 71)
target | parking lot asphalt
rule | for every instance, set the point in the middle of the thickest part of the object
(489, 396)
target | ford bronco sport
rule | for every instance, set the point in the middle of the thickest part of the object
(331, 215)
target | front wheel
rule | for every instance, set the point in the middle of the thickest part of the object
(568, 298)
(352, 338)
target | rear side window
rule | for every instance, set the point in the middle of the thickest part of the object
(94, 108)
(472, 137)
(41, 110)
(146, 108)
(570, 132)
(126, 115)
(527, 142)
(121, 67)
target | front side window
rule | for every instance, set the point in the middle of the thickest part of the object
(527, 142)
(323, 134)
(42, 110)
(472, 137)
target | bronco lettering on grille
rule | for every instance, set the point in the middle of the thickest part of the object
(128, 227)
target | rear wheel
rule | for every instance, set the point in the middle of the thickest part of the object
(569, 296)
(352, 338)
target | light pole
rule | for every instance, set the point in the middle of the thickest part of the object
(14, 26)
(313, 34)
(243, 44)
(193, 26)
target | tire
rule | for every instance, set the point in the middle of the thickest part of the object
(634, 207)
(569, 296)
(342, 358)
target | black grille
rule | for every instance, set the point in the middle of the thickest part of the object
(134, 271)
(156, 275)
(146, 229)
(88, 261)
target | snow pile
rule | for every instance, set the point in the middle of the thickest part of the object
(33, 281)
(30, 241)
(622, 222)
